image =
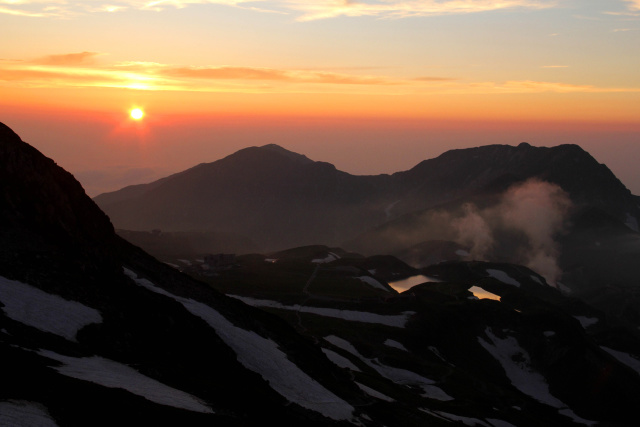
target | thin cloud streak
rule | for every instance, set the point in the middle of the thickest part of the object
(407, 8)
(308, 10)
(81, 70)
(69, 59)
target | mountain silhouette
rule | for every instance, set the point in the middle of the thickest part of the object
(281, 199)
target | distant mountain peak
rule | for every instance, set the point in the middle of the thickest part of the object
(289, 154)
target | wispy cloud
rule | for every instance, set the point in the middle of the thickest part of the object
(322, 9)
(433, 79)
(529, 86)
(69, 59)
(84, 70)
(307, 10)
(632, 9)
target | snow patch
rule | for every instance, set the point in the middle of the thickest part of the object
(549, 334)
(372, 282)
(396, 321)
(111, 374)
(395, 344)
(467, 421)
(439, 355)
(263, 356)
(17, 413)
(271, 260)
(374, 393)
(330, 257)
(632, 222)
(624, 358)
(586, 321)
(569, 413)
(185, 261)
(517, 366)
(173, 265)
(397, 375)
(44, 311)
(339, 360)
(503, 277)
(499, 423)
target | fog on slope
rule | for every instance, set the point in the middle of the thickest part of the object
(520, 227)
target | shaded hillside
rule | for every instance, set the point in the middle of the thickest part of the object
(460, 173)
(275, 197)
(282, 199)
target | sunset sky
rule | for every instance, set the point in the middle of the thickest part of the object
(370, 86)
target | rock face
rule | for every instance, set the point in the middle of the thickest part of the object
(281, 199)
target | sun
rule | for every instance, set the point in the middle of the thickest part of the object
(136, 114)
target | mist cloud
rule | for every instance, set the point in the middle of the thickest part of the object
(535, 210)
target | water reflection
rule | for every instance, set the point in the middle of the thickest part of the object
(480, 293)
(409, 282)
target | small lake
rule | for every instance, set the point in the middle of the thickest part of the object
(409, 282)
(480, 293)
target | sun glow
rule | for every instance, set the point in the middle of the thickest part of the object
(137, 114)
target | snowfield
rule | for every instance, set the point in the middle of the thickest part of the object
(396, 321)
(395, 344)
(396, 375)
(19, 413)
(372, 282)
(624, 358)
(517, 366)
(339, 360)
(586, 321)
(111, 374)
(262, 355)
(44, 311)
(374, 393)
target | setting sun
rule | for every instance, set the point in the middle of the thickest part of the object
(137, 114)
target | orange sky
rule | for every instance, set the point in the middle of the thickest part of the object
(369, 86)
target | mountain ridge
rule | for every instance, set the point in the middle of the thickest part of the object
(307, 202)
